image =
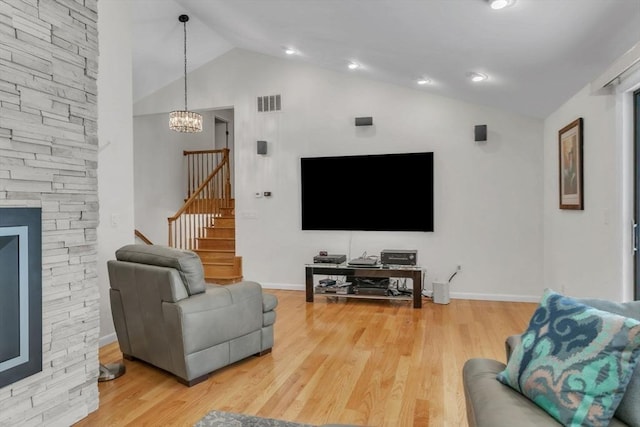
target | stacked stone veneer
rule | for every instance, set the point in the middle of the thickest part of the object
(48, 159)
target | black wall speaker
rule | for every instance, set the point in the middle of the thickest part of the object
(262, 147)
(364, 121)
(480, 132)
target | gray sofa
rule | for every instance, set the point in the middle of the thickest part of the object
(166, 315)
(492, 404)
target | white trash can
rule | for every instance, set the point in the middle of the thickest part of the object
(440, 293)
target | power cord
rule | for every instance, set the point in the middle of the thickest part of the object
(426, 293)
(429, 294)
(458, 268)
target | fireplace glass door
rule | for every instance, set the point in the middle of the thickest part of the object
(20, 293)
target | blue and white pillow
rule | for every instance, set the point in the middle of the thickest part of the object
(574, 361)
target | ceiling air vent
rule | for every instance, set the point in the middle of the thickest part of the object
(269, 103)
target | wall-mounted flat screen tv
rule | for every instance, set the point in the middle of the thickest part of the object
(380, 192)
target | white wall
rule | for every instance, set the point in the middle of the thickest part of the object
(488, 197)
(115, 153)
(160, 170)
(587, 253)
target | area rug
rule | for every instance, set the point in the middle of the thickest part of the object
(228, 419)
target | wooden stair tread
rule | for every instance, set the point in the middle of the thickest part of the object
(224, 276)
(216, 238)
(215, 254)
(223, 280)
(218, 263)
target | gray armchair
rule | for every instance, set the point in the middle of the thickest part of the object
(166, 315)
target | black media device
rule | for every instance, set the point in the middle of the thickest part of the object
(364, 262)
(380, 192)
(399, 256)
(329, 259)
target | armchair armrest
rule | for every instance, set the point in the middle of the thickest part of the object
(218, 315)
(269, 303)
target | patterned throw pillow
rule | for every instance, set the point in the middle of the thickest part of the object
(574, 361)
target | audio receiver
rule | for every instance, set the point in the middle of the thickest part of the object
(399, 257)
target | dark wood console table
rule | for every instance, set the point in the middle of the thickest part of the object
(410, 272)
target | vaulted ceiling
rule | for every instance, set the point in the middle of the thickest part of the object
(536, 53)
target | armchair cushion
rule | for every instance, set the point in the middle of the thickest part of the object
(574, 361)
(187, 263)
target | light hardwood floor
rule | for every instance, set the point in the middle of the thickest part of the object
(373, 363)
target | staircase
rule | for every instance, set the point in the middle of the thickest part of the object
(217, 249)
(205, 224)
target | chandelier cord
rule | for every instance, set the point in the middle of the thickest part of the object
(185, 66)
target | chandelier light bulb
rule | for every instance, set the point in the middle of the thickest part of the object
(477, 77)
(500, 4)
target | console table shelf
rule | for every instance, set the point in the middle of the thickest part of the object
(356, 296)
(409, 272)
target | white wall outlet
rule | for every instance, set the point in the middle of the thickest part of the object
(249, 215)
(115, 220)
(258, 194)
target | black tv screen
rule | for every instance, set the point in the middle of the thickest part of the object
(381, 192)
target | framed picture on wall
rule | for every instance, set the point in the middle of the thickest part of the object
(570, 162)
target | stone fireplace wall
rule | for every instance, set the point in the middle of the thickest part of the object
(48, 159)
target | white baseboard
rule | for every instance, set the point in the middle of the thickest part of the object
(495, 297)
(107, 339)
(283, 286)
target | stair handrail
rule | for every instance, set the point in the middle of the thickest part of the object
(195, 194)
(205, 209)
(198, 163)
(142, 237)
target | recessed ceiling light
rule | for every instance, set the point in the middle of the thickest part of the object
(500, 4)
(290, 51)
(477, 77)
(353, 65)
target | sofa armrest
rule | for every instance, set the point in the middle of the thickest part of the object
(511, 343)
(493, 404)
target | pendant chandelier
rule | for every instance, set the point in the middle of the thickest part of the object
(185, 120)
